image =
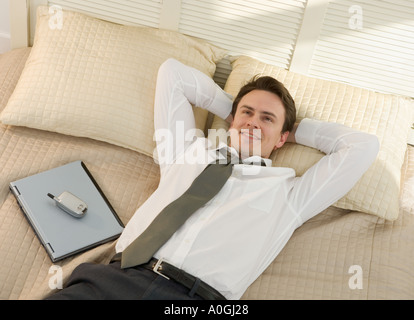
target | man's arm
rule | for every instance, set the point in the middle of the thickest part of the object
(349, 153)
(178, 88)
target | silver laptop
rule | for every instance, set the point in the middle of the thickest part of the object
(61, 233)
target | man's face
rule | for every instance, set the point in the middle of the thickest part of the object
(257, 125)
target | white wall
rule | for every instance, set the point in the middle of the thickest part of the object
(4, 26)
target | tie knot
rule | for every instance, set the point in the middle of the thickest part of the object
(229, 158)
(226, 157)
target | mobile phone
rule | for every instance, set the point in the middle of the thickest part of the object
(70, 203)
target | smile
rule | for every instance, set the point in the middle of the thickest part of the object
(250, 135)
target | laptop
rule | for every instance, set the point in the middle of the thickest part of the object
(61, 233)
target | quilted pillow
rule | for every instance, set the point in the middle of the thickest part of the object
(96, 79)
(387, 116)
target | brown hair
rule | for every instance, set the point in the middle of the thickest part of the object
(272, 85)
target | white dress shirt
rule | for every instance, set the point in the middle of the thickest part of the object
(230, 241)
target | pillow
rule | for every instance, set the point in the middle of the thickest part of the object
(384, 115)
(96, 79)
(11, 67)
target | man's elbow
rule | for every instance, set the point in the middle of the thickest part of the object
(169, 67)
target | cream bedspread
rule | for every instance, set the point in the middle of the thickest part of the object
(339, 254)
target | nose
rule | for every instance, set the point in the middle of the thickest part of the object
(253, 123)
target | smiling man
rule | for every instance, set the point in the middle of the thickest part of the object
(225, 244)
(263, 114)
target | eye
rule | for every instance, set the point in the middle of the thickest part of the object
(268, 119)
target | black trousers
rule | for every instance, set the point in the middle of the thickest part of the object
(110, 282)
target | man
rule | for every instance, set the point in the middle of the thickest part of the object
(227, 243)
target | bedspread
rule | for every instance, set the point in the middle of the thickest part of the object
(339, 254)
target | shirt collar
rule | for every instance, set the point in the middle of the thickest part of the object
(253, 160)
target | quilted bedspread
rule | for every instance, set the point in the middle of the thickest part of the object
(339, 254)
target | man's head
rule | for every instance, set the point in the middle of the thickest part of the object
(264, 113)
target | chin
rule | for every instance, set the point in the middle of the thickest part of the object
(244, 146)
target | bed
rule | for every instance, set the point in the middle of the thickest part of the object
(85, 92)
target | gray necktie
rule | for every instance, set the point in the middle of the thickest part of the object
(204, 187)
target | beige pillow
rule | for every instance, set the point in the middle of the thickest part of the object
(96, 79)
(387, 116)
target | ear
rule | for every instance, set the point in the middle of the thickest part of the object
(282, 140)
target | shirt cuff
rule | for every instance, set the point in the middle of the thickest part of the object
(222, 104)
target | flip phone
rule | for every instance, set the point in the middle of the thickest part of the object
(70, 204)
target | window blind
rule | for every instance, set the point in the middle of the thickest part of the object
(136, 12)
(369, 44)
(263, 29)
(366, 43)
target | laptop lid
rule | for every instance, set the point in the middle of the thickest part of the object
(61, 234)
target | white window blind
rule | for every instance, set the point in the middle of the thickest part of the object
(263, 29)
(369, 44)
(136, 12)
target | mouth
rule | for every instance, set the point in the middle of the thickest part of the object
(251, 134)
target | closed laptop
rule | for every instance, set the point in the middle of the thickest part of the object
(63, 234)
